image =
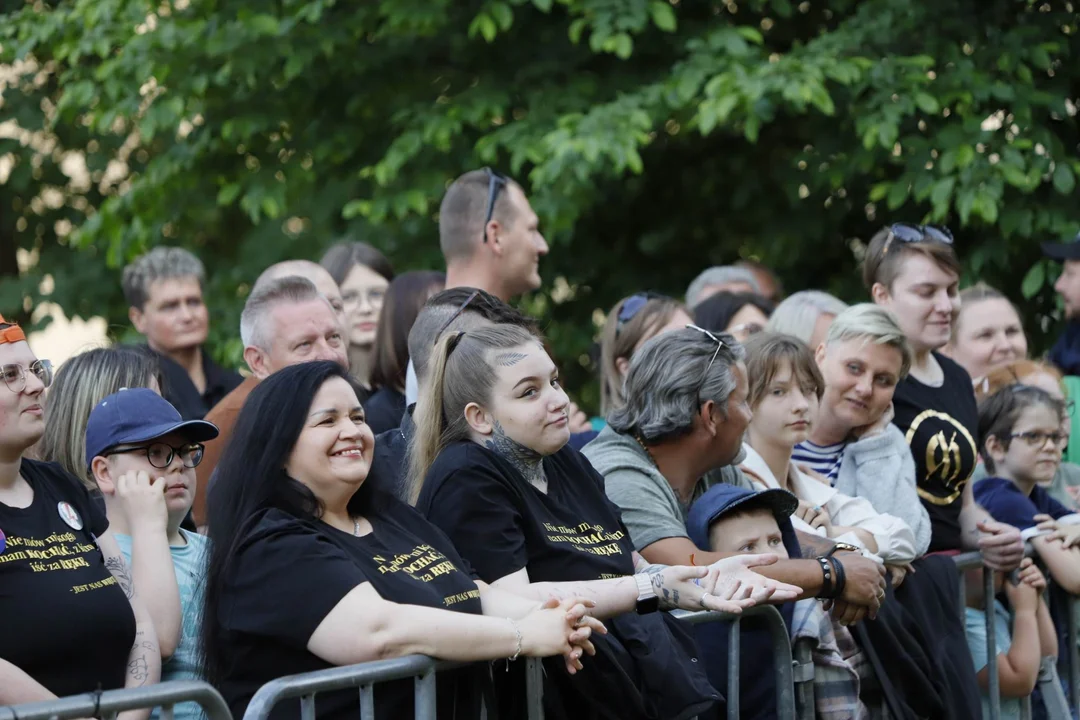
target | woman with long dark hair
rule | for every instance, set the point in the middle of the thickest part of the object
(311, 567)
(406, 295)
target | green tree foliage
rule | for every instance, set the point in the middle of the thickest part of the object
(654, 137)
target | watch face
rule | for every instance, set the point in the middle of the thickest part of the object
(648, 605)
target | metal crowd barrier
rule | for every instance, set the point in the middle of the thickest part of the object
(1048, 677)
(781, 647)
(107, 704)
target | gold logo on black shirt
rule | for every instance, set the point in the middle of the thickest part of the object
(943, 457)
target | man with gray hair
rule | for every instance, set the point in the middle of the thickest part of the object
(726, 278)
(677, 435)
(286, 321)
(164, 292)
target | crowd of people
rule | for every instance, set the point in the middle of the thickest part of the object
(402, 472)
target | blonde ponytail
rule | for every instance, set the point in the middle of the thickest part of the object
(426, 442)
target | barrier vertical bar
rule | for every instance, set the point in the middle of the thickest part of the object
(1025, 708)
(963, 598)
(424, 695)
(734, 657)
(367, 702)
(307, 707)
(991, 643)
(803, 676)
(534, 688)
(1074, 656)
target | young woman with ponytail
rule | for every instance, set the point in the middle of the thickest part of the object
(490, 466)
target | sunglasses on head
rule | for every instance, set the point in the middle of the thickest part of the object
(909, 233)
(496, 182)
(457, 314)
(632, 306)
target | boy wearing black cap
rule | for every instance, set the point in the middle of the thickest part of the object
(143, 455)
(733, 519)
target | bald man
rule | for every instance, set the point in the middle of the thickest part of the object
(294, 314)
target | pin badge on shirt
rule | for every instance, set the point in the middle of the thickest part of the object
(69, 515)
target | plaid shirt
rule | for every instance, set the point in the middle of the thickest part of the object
(840, 666)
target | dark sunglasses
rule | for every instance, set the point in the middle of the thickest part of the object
(457, 313)
(632, 306)
(496, 182)
(908, 233)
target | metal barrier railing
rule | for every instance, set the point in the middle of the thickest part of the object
(110, 702)
(781, 647)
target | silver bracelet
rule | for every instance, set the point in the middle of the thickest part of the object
(517, 631)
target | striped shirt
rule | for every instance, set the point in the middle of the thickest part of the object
(822, 459)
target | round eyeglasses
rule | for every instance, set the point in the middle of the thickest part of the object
(15, 375)
(161, 455)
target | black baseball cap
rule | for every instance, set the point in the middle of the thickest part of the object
(1063, 250)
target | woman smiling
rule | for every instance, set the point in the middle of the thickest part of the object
(311, 567)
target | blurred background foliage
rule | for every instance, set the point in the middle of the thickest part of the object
(654, 137)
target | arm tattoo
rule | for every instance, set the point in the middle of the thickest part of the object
(813, 546)
(653, 569)
(669, 598)
(138, 668)
(510, 359)
(525, 460)
(122, 573)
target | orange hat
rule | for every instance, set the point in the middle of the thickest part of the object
(12, 333)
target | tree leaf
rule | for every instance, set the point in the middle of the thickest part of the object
(1033, 280)
(663, 15)
(1064, 180)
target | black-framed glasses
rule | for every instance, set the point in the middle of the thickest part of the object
(15, 375)
(632, 306)
(457, 314)
(161, 455)
(496, 182)
(909, 233)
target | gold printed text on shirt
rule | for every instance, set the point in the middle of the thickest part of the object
(943, 460)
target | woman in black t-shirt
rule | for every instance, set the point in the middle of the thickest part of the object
(311, 568)
(491, 468)
(71, 622)
(913, 272)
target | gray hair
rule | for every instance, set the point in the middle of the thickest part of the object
(797, 314)
(720, 275)
(874, 324)
(667, 383)
(291, 289)
(161, 263)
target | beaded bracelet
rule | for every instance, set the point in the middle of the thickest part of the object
(517, 631)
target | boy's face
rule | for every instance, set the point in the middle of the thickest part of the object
(749, 533)
(1032, 454)
(179, 480)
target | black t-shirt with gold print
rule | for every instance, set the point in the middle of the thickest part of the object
(64, 620)
(500, 523)
(288, 573)
(940, 424)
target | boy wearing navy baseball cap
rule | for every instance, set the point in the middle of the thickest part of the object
(736, 520)
(143, 456)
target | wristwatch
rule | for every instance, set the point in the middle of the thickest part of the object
(647, 600)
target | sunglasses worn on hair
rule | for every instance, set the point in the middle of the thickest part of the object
(457, 314)
(496, 182)
(632, 306)
(908, 233)
(719, 344)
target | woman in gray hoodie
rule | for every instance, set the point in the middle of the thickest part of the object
(853, 443)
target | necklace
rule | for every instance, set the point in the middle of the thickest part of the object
(356, 527)
(646, 449)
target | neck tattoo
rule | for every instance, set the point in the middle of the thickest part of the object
(526, 460)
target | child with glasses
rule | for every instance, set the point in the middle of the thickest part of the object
(143, 456)
(1021, 439)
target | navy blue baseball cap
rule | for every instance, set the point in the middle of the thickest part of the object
(1063, 250)
(136, 415)
(722, 499)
